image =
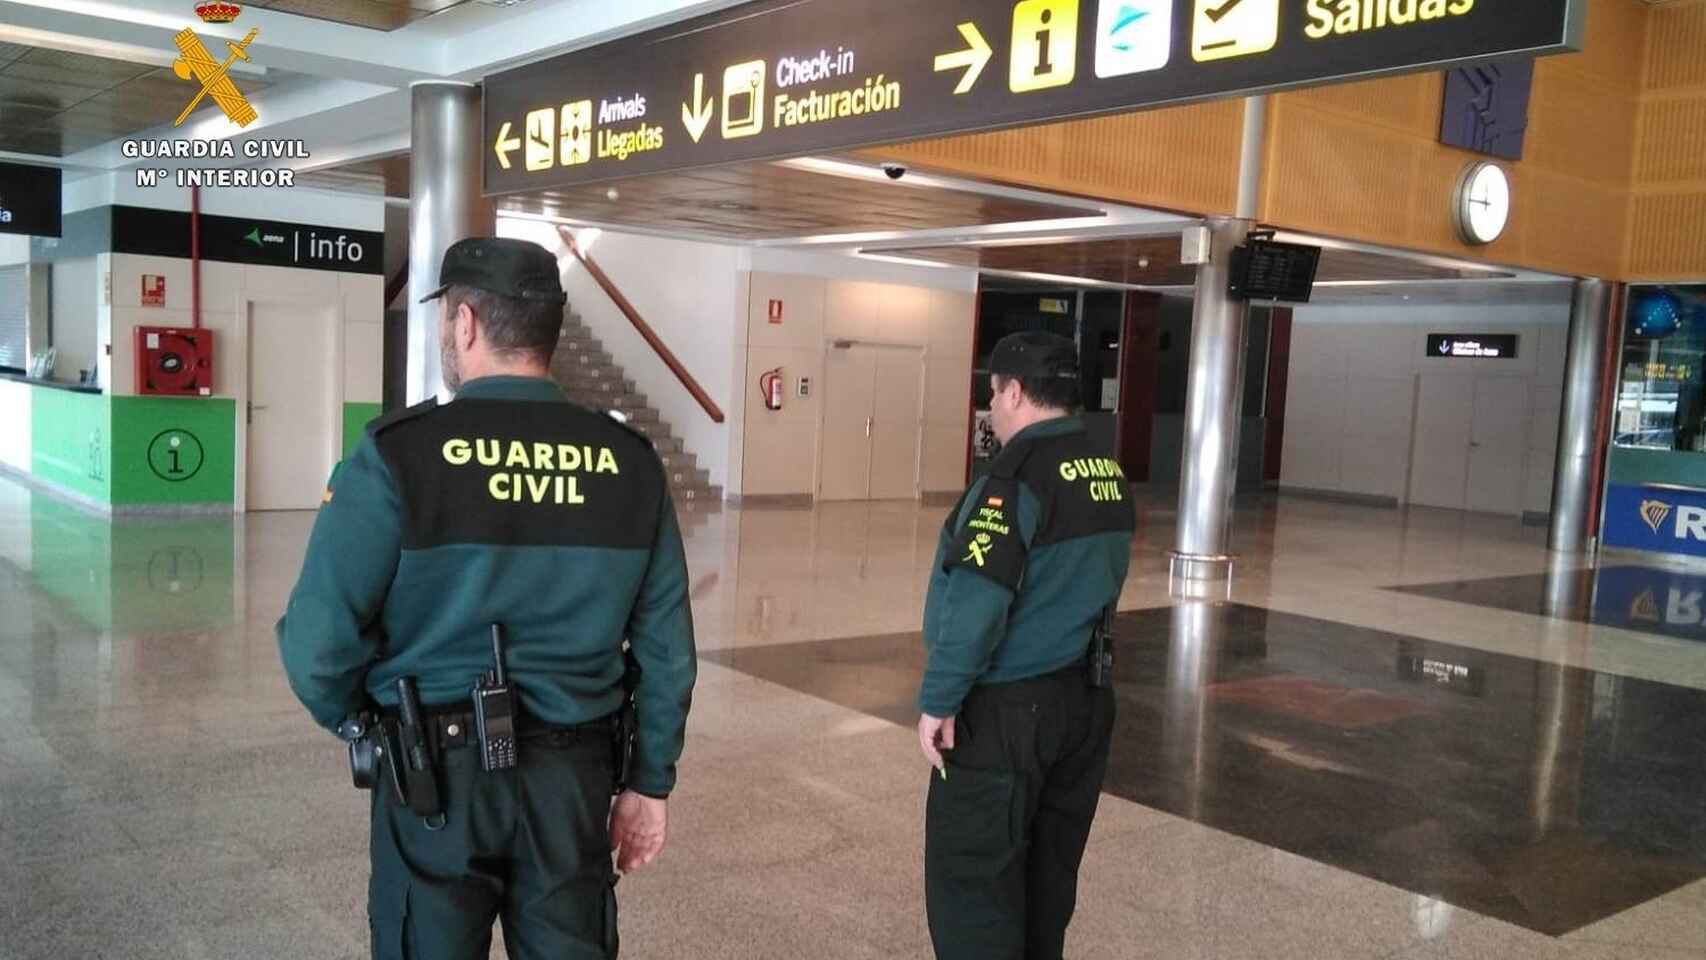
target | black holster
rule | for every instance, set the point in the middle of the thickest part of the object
(625, 727)
(1101, 657)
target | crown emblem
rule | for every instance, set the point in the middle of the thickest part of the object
(1654, 513)
(217, 12)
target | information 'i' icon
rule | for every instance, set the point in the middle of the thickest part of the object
(1045, 45)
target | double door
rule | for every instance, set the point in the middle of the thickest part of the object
(873, 410)
(1471, 443)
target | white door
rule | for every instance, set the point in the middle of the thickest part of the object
(1439, 457)
(896, 423)
(844, 469)
(1498, 445)
(290, 406)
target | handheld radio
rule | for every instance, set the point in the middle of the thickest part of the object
(494, 711)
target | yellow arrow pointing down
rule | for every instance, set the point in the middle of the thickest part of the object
(506, 145)
(697, 116)
(973, 59)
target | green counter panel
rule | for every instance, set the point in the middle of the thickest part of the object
(173, 450)
(71, 442)
(356, 418)
(1633, 466)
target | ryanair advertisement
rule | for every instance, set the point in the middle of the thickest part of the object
(783, 78)
(1656, 518)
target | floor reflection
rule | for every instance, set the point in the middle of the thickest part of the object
(1547, 796)
(1654, 600)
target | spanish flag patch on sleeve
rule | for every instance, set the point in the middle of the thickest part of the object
(988, 541)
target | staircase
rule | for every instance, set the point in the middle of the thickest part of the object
(591, 378)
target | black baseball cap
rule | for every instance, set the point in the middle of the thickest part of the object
(1035, 355)
(520, 269)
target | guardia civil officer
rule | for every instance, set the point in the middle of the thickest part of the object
(511, 508)
(1016, 718)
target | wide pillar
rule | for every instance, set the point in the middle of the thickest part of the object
(445, 206)
(1578, 426)
(1214, 397)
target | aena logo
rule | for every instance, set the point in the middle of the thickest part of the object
(1133, 36)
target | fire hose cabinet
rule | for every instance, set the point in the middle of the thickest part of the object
(174, 361)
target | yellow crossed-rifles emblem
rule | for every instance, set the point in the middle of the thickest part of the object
(980, 550)
(196, 61)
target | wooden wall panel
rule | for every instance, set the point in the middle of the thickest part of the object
(1616, 150)
(1667, 217)
(1179, 158)
(1409, 103)
(1581, 127)
(1676, 47)
(1363, 160)
(1673, 140)
(1668, 236)
(1333, 173)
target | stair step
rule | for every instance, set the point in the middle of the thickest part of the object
(591, 377)
(599, 385)
(607, 401)
(677, 461)
(574, 360)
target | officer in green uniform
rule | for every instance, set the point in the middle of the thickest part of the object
(508, 506)
(1014, 720)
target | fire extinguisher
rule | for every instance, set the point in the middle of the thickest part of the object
(770, 387)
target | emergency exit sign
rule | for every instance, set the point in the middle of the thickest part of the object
(786, 78)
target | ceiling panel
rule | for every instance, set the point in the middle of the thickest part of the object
(1121, 260)
(54, 103)
(763, 201)
(759, 201)
(374, 14)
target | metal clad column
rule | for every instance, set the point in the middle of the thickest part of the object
(1208, 478)
(1573, 480)
(446, 206)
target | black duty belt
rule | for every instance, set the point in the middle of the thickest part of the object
(453, 725)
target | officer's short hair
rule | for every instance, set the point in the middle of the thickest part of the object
(512, 325)
(1052, 393)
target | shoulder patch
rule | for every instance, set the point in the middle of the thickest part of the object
(395, 417)
(989, 542)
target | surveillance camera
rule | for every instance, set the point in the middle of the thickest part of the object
(894, 171)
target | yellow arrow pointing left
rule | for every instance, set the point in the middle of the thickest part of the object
(506, 145)
(973, 59)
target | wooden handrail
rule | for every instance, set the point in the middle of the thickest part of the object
(627, 307)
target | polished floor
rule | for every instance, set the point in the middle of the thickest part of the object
(1317, 765)
(1650, 599)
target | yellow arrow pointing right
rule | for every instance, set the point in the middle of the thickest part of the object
(697, 115)
(506, 144)
(973, 59)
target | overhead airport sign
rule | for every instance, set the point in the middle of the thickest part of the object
(779, 78)
(30, 200)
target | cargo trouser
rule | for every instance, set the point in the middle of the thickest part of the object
(529, 846)
(1005, 832)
